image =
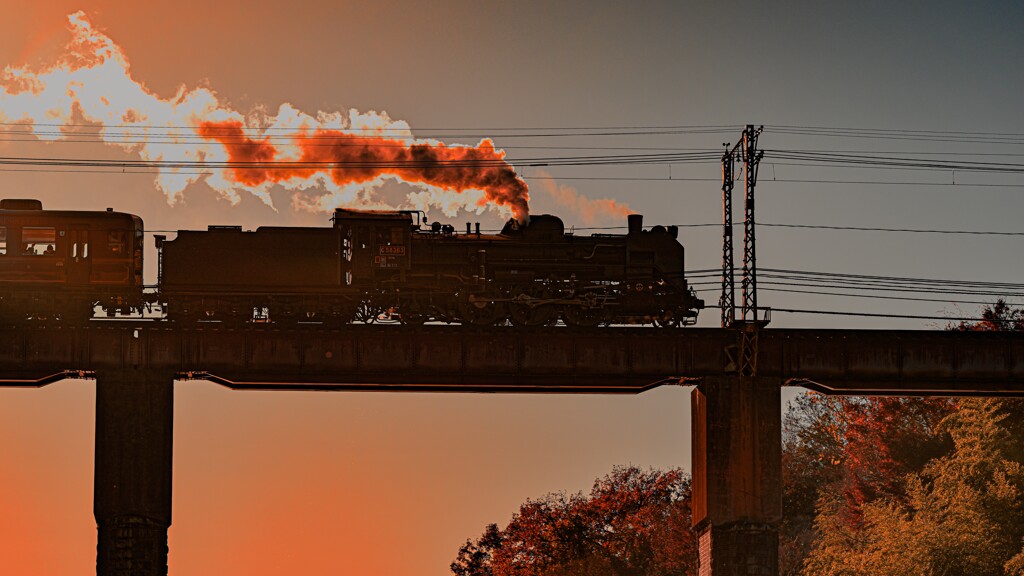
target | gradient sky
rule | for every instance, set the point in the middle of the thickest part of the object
(267, 483)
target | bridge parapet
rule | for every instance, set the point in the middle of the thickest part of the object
(502, 359)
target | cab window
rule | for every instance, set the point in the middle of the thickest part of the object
(38, 241)
(116, 242)
(3, 240)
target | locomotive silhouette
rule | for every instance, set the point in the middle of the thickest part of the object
(368, 266)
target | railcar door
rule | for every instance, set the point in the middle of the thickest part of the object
(79, 261)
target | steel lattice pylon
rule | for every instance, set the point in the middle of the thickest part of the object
(751, 159)
(744, 353)
(728, 300)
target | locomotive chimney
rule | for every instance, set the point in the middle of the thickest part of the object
(469, 228)
(636, 223)
(477, 229)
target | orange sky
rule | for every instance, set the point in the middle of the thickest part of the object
(274, 483)
(318, 483)
(270, 483)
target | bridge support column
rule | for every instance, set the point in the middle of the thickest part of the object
(737, 478)
(132, 486)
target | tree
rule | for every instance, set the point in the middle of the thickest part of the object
(961, 515)
(912, 486)
(850, 451)
(999, 317)
(633, 522)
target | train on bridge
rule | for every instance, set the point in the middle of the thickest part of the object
(368, 266)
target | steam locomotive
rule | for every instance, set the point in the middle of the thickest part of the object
(368, 266)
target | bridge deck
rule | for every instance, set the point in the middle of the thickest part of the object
(505, 359)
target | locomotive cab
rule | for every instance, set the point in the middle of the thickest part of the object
(376, 244)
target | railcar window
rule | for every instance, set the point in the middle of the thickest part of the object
(3, 240)
(38, 241)
(116, 241)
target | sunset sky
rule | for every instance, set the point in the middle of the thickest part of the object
(270, 483)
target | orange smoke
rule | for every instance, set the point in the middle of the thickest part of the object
(326, 159)
(89, 93)
(590, 211)
(353, 158)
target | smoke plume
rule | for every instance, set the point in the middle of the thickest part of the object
(89, 92)
(590, 211)
(355, 158)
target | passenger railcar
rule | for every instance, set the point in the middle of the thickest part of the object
(62, 264)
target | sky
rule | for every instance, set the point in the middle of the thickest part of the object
(392, 484)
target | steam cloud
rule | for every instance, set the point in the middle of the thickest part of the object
(591, 211)
(352, 158)
(326, 160)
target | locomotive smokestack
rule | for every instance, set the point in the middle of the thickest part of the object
(636, 223)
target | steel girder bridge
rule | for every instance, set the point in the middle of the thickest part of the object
(737, 374)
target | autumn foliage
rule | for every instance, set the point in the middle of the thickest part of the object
(905, 485)
(633, 522)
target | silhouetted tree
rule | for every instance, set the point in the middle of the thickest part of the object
(632, 523)
(999, 317)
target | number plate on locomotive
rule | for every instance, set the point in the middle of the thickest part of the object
(392, 250)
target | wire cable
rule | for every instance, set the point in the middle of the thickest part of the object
(864, 314)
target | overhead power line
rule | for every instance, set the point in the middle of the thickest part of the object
(911, 230)
(527, 176)
(827, 227)
(893, 278)
(264, 132)
(694, 127)
(878, 315)
(869, 314)
(843, 129)
(872, 296)
(896, 134)
(612, 159)
(864, 286)
(893, 161)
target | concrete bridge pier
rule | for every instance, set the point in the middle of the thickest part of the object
(132, 498)
(737, 474)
